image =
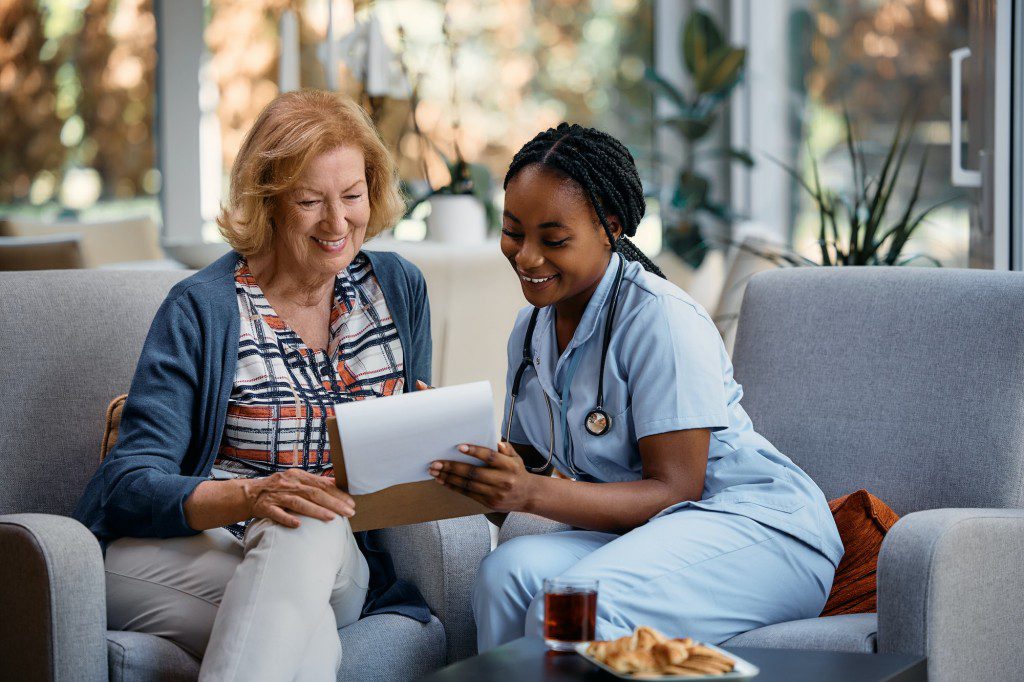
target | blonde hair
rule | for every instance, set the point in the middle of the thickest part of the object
(290, 132)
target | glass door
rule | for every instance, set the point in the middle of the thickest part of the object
(948, 63)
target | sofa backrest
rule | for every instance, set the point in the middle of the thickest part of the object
(69, 341)
(906, 381)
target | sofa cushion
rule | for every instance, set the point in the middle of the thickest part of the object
(862, 520)
(855, 632)
(386, 647)
(517, 524)
(138, 657)
(390, 647)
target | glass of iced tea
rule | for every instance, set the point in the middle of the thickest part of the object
(570, 612)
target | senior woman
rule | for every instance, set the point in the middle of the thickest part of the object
(222, 528)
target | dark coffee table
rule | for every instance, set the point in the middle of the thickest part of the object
(528, 659)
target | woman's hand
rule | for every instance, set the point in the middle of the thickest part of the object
(295, 491)
(501, 482)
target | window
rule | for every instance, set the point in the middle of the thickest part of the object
(488, 75)
(76, 108)
(877, 60)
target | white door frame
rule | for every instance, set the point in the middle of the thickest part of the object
(1003, 152)
(180, 46)
(1015, 139)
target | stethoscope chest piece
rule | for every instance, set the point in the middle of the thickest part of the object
(598, 422)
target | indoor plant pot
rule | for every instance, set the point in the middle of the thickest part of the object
(456, 218)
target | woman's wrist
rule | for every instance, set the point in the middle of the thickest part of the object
(534, 492)
(249, 489)
(220, 503)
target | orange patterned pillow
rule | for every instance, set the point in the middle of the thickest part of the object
(863, 520)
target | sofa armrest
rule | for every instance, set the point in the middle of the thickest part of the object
(949, 587)
(517, 524)
(52, 597)
(441, 558)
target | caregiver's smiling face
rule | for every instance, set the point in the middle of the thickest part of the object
(552, 237)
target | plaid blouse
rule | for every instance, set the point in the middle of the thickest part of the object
(284, 391)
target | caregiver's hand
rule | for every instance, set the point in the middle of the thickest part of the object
(279, 496)
(501, 482)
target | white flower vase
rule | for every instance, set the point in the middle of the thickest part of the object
(456, 219)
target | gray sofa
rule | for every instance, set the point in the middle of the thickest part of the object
(69, 341)
(908, 382)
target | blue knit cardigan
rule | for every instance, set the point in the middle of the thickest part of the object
(173, 419)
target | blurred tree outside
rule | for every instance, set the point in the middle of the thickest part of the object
(116, 58)
(77, 88)
(31, 121)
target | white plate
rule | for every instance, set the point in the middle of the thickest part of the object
(742, 670)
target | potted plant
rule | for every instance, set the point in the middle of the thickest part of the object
(862, 227)
(461, 210)
(714, 68)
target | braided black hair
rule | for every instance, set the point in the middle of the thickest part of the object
(604, 168)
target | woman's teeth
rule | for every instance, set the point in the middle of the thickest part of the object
(333, 244)
(532, 280)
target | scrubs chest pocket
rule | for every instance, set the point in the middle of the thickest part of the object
(612, 457)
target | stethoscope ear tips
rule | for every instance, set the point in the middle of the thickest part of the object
(598, 422)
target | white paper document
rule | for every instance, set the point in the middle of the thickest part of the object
(392, 440)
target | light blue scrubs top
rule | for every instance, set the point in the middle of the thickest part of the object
(667, 370)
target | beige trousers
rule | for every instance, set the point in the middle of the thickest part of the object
(264, 608)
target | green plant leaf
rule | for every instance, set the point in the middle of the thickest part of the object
(775, 254)
(900, 232)
(482, 188)
(825, 212)
(691, 128)
(723, 70)
(851, 148)
(685, 240)
(793, 173)
(916, 256)
(701, 37)
(659, 86)
(413, 201)
(900, 239)
(480, 175)
(720, 211)
(691, 191)
(886, 184)
(740, 155)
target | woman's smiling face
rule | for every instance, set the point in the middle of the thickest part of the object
(552, 237)
(320, 225)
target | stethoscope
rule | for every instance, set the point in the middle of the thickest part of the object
(597, 422)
